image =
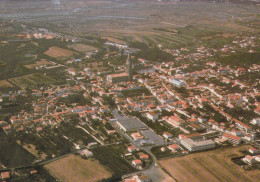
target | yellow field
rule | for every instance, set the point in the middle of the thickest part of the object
(82, 48)
(57, 52)
(213, 166)
(75, 169)
(5, 84)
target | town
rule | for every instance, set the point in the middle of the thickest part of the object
(129, 107)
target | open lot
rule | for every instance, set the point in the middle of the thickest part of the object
(214, 166)
(39, 64)
(82, 48)
(57, 52)
(5, 84)
(31, 80)
(74, 168)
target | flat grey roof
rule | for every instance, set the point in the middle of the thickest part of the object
(132, 124)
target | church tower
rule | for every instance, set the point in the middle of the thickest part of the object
(129, 67)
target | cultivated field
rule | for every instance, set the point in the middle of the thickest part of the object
(82, 48)
(73, 168)
(5, 84)
(213, 166)
(57, 52)
(112, 39)
(31, 80)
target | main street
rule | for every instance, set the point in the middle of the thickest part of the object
(154, 169)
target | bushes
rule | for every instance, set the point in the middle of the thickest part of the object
(151, 54)
(111, 156)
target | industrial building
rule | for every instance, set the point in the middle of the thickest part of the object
(197, 145)
(131, 124)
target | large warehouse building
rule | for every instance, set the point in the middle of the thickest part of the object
(197, 145)
(131, 124)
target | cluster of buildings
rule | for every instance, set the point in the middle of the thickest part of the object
(196, 97)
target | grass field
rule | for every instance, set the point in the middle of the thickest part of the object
(75, 169)
(57, 52)
(5, 84)
(213, 166)
(82, 48)
(31, 80)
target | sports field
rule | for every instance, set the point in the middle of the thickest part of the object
(73, 168)
(213, 166)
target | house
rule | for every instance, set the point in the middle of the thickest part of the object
(143, 179)
(167, 135)
(137, 136)
(152, 116)
(256, 121)
(253, 150)
(175, 121)
(86, 153)
(232, 138)
(137, 178)
(173, 147)
(249, 159)
(235, 132)
(163, 149)
(144, 157)
(34, 172)
(249, 137)
(131, 149)
(137, 162)
(242, 125)
(257, 158)
(5, 175)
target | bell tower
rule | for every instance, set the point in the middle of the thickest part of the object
(129, 67)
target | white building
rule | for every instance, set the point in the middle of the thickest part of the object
(256, 121)
(152, 116)
(177, 83)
